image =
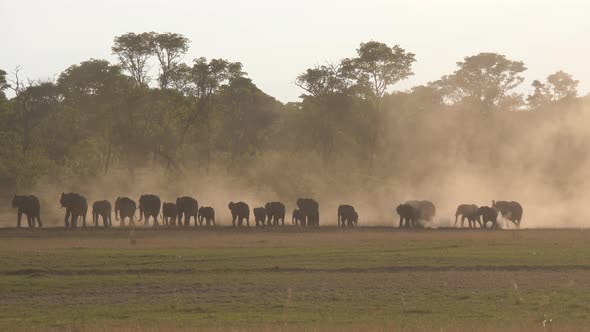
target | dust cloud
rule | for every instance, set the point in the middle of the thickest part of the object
(449, 157)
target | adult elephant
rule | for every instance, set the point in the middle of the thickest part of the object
(149, 206)
(104, 210)
(297, 217)
(125, 208)
(207, 213)
(187, 207)
(259, 216)
(76, 206)
(510, 210)
(426, 209)
(275, 211)
(29, 205)
(469, 212)
(169, 213)
(408, 215)
(311, 210)
(488, 214)
(239, 212)
(346, 215)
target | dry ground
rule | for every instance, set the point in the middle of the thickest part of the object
(292, 279)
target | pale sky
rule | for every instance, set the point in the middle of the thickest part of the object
(276, 40)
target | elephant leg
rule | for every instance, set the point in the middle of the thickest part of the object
(66, 222)
(19, 217)
(30, 222)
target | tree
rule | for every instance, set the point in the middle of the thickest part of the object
(559, 86)
(169, 48)
(133, 51)
(34, 101)
(321, 81)
(3, 84)
(378, 66)
(98, 90)
(485, 81)
(206, 79)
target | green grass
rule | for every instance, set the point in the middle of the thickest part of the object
(341, 280)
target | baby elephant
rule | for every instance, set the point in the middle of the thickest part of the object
(169, 213)
(104, 210)
(347, 215)
(207, 213)
(298, 218)
(259, 216)
(488, 214)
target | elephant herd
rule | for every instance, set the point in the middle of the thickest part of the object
(417, 213)
(412, 213)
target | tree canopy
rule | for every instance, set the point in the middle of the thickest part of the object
(205, 118)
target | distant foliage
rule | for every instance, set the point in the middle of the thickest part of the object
(206, 114)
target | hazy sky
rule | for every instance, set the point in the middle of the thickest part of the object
(276, 40)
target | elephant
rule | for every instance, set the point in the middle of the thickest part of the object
(275, 211)
(169, 213)
(76, 206)
(149, 206)
(347, 215)
(239, 211)
(408, 214)
(259, 215)
(207, 213)
(125, 208)
(469, 212)
(298, 217)
(29, 205)
(426, 208)
(509, 210)
(488, 214)
(103, 209)
(189, 207)
(354, 218)
(310, 210)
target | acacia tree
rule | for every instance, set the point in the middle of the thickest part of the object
(377, 67)
(169, 49)
(133, 51)
(485, 81)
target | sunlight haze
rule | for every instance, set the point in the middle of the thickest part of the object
(277, 40)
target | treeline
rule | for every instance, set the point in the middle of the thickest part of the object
(349, 129)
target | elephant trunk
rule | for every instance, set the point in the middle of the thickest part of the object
(116, 214)
(140, 214)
